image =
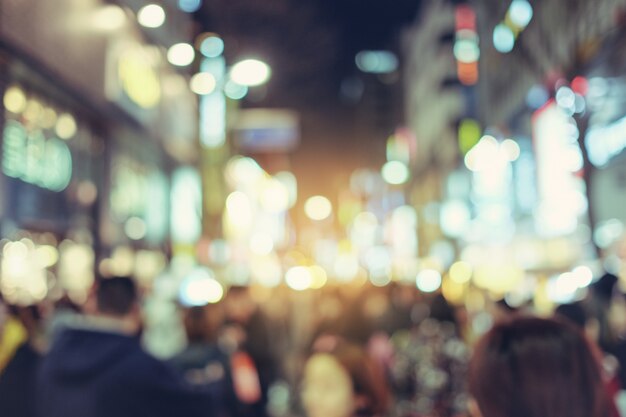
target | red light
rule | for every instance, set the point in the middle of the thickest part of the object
(580, 85)
(465, 18)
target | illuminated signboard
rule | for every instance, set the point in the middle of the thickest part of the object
(559, 161)
(35, 159)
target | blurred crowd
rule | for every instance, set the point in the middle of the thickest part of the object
(336, 352)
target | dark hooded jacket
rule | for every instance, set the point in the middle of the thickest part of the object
(90, 373)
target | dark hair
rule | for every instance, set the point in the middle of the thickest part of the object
(368, 379)
(574, 312)
(532, 367)
(116, 296)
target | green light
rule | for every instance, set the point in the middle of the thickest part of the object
(469, 134)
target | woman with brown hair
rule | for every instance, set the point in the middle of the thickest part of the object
(532, 367)
(341, 380)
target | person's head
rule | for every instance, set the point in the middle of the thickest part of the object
(118, 298)
(532, 367)
(341, 380)
(202, 322)
(239, 304)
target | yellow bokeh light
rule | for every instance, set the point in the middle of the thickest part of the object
(261, 244)
(274, 196)
(47, 255)
(318, 207)
(14, 100)
(498, 278)
(250, 72)
(453, 291)
(66, 126)
(461, 272)
(319, 276)
(203, 83)
(299, 278)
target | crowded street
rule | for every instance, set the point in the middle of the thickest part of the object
(300, 208)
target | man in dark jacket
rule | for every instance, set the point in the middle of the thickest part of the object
(98, 368)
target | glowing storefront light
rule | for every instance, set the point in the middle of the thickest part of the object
(467, 50)
(14, 100)
(266, 270)
(151, 16)
(395, 173)
(428, 280)
(606, 142)
(181, 54)
(46, 163)
(202, 83)
(212, 46)
(299, 278)
(189, 6)
(503, 38)
(520, 13)
(561, 195)
(239, 213)
(511, 149)
(261, 244)
(213, 106)
(108, 18)
(461, 272)
(274, 196)
(66, 126)
(318, 276)
(250, 72)
(318, 207)
(186, 203)
(200, 288)
(135, 228)
(455, 218)
(376, 62)
(235, 91)
(24, 275)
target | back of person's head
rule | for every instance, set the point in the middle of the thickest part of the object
(203, 322)
(365, 378)
(575, 313)
(441, 310)
(532, 367)
(116, 296)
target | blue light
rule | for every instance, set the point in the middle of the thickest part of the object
(503, 38)
(189, 6)
(212, 47)
(520, 13)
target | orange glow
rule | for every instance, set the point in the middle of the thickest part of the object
(467, 72)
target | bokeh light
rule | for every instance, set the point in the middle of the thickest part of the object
(250, 72)
(235, 91)
(202, 83)
(395, 173)
(318, 207)
(520, 13)
(460, 272)
(189, 6)
(503, 38)
(200, 288)
(151, 16)
(14, 100)
(181, 54)
(66, 126)
(299, 278)
(212, 46)
(428, 280)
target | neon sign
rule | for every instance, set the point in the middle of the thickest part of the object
(30, 157)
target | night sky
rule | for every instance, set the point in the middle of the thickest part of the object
(311, 45)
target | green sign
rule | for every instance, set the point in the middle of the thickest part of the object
(32, 158)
